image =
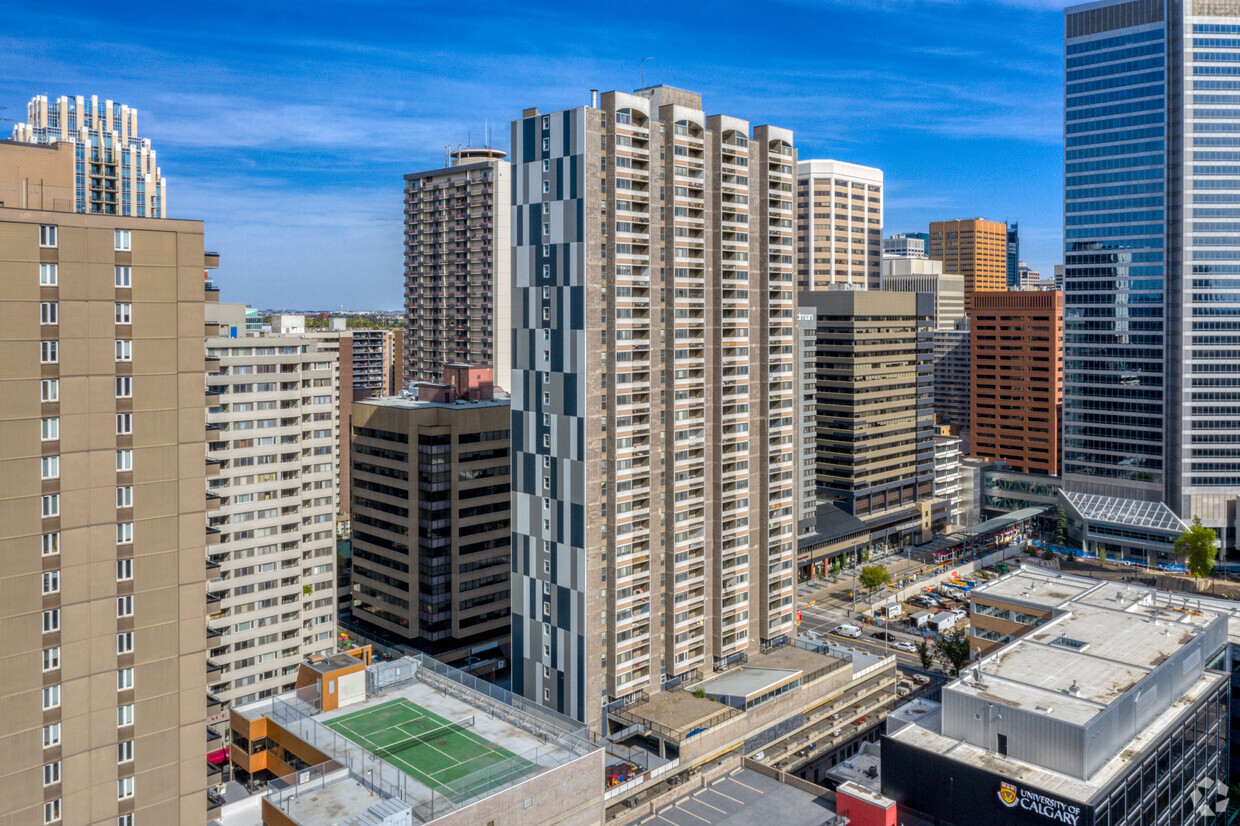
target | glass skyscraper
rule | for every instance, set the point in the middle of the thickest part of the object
(1152, 254)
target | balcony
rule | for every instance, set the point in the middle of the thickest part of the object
(213, 536)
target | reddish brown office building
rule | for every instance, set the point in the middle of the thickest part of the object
(1016, 389)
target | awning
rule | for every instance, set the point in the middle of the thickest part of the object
(215, 758)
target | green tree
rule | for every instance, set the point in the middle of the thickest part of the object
(1061, 528)
(874, 577)
(1199, 547)
(953, 646)
(923, 651)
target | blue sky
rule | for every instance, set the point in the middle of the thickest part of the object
(287, 127)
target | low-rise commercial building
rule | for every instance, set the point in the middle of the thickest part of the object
(412, 741)
(1100, 706)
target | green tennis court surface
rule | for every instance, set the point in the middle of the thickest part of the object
(426, 746)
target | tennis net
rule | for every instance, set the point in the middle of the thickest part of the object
(422, 737)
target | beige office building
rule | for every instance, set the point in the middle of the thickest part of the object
(117, 173)
(924, 275)
(458, 265)
(431, 531)
(102, 507)
(272, 422)
(839, 225)
(654, 395)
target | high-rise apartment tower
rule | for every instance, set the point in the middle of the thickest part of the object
(655, 395)
(114, 170)
(839, 225)
(457, 266)
(102, 507)
(1152, 255)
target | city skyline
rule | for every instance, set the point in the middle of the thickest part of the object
(275, 139)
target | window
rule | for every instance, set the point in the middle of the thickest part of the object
(546, 186)
(124, 387)
(51, 697)
(51, 582)
(124, 277)
(49, 352)
(124, 569)
(125, 820)
(51, 773)
(124, 313)
(124, 533)
(124, 349)
(51, 544)
(124, 459)
(51, 620)
(51, 658)
(124, 751)
(49, 390)
(124, 786)
(48, 275)
(47, 312)
(51, 504)
(124, 642)
(49, 429)
(51, 809)
(51, 735)
(124, 679)
(49, 467)
(546, 144)
(546, 121)
(121, 237)
(124, 423)
(124, 715)
(47, 235)
(546, 166)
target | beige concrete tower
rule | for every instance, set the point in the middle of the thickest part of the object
(102, 508)
(457, 266)
(117, 173)
(653, 397)
(974, 247)
(839, 225)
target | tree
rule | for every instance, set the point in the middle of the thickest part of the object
(923, 651)
(953, 646)
(1061, 528)
(1199, 546)
(874, 577)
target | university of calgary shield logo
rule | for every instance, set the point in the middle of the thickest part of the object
(1007, 793)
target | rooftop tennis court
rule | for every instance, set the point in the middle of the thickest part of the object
(425, 745)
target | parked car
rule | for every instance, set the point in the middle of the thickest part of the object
(887, 636)
(848, 631)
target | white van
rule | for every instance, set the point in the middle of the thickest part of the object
(848, 631)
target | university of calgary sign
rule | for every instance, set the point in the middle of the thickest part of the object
(1047, 807)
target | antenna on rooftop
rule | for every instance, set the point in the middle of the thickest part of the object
(642, 63)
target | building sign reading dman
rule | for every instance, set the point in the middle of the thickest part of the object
(1047, 807)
